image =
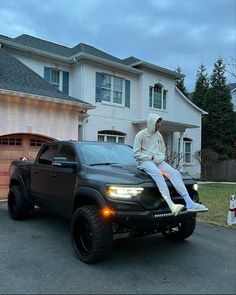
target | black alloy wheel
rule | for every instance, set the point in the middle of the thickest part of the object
(91, 235)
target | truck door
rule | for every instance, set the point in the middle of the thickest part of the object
(41, 172)
(63, 181)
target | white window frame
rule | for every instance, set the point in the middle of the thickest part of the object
(59, 77)
(186, 141)
(188, 153)
(111, 134)
(112, 89)
(151, 97)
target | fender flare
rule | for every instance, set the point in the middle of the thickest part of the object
(21, 182)
(90, 193)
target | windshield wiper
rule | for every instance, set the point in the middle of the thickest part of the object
(96, 164)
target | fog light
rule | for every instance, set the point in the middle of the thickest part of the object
(195, 186)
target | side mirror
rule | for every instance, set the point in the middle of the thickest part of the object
(63, 162)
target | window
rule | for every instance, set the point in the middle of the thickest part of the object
(55, 77)
(187, 149)
(10, 141)
(58, 78)
(157, 97)
(111, 136)
(36, 142)
(68, 152)
(47, 154)
(94, 153)
(112, 89)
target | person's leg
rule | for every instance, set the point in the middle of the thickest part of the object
(177, 181)
(150, 168)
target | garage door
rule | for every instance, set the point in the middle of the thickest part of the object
(14, 146)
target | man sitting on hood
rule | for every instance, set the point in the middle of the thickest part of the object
(149, 152)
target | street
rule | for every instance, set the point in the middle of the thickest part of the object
(36, 256)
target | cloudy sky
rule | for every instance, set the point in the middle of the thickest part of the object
(168, 33)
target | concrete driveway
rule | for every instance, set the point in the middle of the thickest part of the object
(36, 257)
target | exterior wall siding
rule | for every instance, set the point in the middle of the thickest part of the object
(37, 117)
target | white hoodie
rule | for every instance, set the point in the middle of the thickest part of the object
(148, 143)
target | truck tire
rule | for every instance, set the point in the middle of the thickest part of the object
(181, 231)
(18, 207)
(91, 235)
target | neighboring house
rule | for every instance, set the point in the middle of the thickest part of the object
(32, 111)
(124, 92)
(232, 88)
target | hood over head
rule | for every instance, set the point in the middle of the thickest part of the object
(151, 122)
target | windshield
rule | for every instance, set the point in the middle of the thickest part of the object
(106, 153)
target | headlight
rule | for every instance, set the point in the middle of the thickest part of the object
(123, 192)
(195, 186)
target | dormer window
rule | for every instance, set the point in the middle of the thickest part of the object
(157, 97)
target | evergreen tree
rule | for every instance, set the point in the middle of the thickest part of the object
(219, 124)
(201, 88)
(180, 82)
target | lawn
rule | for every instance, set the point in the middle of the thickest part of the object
(216, 197)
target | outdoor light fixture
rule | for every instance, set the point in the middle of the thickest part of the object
(121, 192)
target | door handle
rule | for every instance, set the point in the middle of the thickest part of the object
(54, 175)
(35, 171)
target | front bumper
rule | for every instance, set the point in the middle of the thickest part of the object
(151, 216)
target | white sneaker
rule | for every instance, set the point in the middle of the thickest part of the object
(197, 208)
(176, 208)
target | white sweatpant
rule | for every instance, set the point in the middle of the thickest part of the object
(154, 170)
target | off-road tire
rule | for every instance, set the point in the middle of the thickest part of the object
(91, 234)
(18, 207)
(181, 231)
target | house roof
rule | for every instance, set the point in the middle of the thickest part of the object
(232, 86)
(17, 77)
(40, 46)
(190, 102)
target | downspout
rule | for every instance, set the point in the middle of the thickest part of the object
(181, 151)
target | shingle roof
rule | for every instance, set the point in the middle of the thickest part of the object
(15, 76)
(65, 51)
(232, 86)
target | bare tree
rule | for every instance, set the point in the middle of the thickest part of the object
(175, 159)
(231, 65)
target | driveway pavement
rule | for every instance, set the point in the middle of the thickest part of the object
(36, 257)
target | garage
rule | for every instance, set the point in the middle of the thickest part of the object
(15, 146)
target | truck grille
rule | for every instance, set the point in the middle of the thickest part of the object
(152, 199)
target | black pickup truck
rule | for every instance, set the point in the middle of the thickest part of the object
(98, 187)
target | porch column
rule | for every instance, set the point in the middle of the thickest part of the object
(82, 120)
(181, 150)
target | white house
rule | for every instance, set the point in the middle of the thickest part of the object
(123, 92)
(233, 95)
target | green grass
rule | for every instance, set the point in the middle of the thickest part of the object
(216, 197)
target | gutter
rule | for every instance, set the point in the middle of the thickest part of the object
(158, 69)
(85, 106)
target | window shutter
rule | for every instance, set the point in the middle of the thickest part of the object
(65, 82)
(98, 96)
(150, 96)
(127, 93)
(47, 74)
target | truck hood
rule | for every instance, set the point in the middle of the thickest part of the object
(125, 174)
